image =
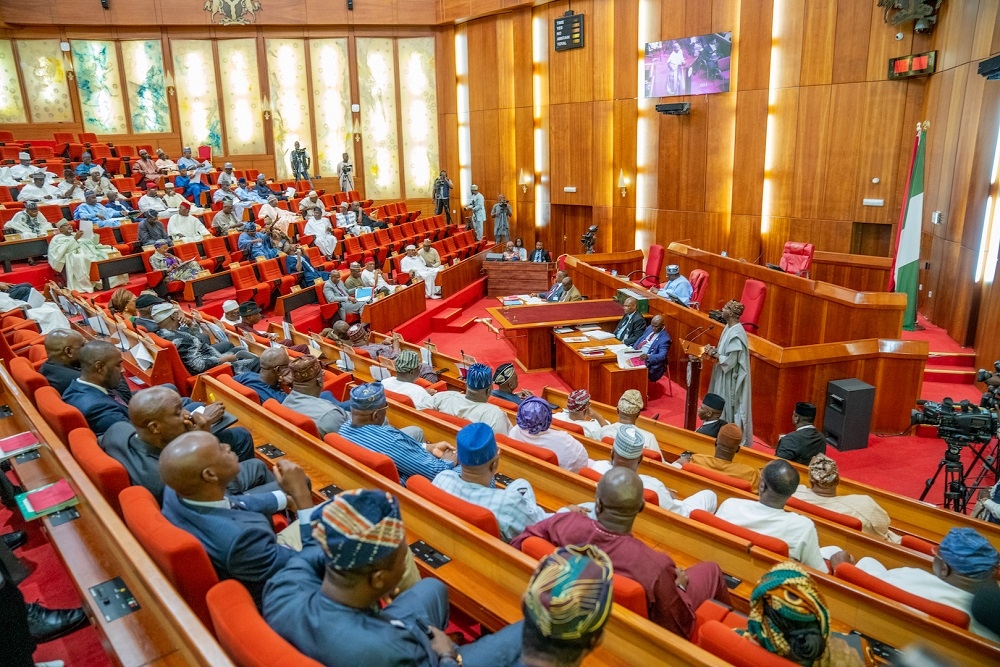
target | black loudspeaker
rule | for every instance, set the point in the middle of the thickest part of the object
(847, 418)
(350, 5)
(106, 4)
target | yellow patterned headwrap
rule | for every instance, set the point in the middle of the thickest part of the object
(570, 594)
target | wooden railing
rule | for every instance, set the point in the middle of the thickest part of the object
(863, 273)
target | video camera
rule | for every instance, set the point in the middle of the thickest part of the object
(957, 424)
(589, 239)
(991, 397)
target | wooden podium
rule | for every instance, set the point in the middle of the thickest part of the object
(693, 381)
(506, 278)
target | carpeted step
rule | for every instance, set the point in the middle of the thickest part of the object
(951, 359)
(441, 321)
(950, 374)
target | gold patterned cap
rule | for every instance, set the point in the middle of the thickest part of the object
(570, 594)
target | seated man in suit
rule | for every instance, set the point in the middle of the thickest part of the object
(569, 291)
(325, 603)
(539, 254)
(156, 417)
(62, 346)
(805, 442)
(631, 326)
(727, 446)
(236, 531)
(273, 375)
(710, 414)
(654, 345)
(672, 594)
(555, 292)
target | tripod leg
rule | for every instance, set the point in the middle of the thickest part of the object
(930, 482)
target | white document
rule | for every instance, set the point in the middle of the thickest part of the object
(87, 227)
(286, 329)
(345, 362)
(425, 356)
(98, 324)
(142, 356)
(380, 373)
(289, 193)
(35, 298)
(625, 359)
(618, 348)
(599, 334)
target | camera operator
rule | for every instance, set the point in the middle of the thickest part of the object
(501, 220)
(988, 507)
(992, 381)
(589, 239)
(344, 173)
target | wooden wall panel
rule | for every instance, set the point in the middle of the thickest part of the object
(748, 164)
(683, 146)
(818, 39)
(755, 44)
(570, 152)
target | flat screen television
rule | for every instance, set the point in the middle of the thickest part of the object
(688, 66)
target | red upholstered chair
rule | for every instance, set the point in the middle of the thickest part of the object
(204, 153)
(723, 642)
(699, 281)
(248, 286)
(380, 463)
(917, 544)
(853, 574)
(568, 426)
(188, 251)
(797, 258)
(270, 272)
(215, 247)
(62, 417)
(244, 634)
(107, 474)
(451, 419)
(508, 405)
(541, 453)
(647, 494)
(654, 266)
(178, 554)
(717, 476)
(478, 516)
(26, 377)
(292, 417)
(183, 379)
(240, 389)
(852, 522)
(400, 398)
(754, 292)
(627, 592)
(767, 542)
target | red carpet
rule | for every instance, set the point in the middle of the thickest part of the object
(49, 583)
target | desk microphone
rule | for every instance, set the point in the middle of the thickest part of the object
(691, 340)
(692, 332)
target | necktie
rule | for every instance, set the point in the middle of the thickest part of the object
(623, 327)
(646, 340)
(117, 399)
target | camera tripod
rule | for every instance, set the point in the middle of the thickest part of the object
(956, 492)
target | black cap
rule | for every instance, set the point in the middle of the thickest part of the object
(714, 401)
(807, 410)
(249, 308)
(147, 301)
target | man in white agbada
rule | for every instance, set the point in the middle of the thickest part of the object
(224, 192)
(281, 218)
(322, 230)
(417, 268)
(184, 227)
(75, 252)
(23, 170)
(374, 279)
(98, 183)
(310, 203)
(29, 223)
(46, 313)
(477, 206)
(171, 197)
(38, 190)
(731, 374)
(964, 562)
(152, 200)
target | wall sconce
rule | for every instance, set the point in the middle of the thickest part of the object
(265, 106)
(169, 80)
(622, 183)
(525, 180)
(357, 130)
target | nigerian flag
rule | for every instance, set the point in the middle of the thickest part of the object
(905, 276)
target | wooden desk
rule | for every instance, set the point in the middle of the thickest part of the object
(388, 313)
(195, 289)
(597, 374)
(504, 278)
(529, 327)
(457, 277)
(781, 376)
(105, 269)
(797, 311)
(857, 272)
(22, 249)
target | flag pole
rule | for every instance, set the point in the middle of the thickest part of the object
(902, 209)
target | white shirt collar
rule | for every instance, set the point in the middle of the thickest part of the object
(95, 386)
(219, 504)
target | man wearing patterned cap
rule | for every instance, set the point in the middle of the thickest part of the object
(29, 223)
(505, 379)
(151, 201)
(254, 244)
(310, 203)
(727, 446)
(226, 176)
(171, 197)
(164, 164)
(822, 491)
(710, 414)
(23, 170)
(672, 594)
(236, 531)
(368, 427)
(627, 453)
(579, 412)
(360, 338)
(184, 227)
(474, 405)
(405, 381)
(805, 442)
(677, 288)
(513, 506)
(534, 419)
(372, 277)
(577, 578)
(731, 374)
(231, 311)
(965, 561)
(99, 183)
(306, 374)
(145, 166)
(417, 267)
(326, 601)
(95, 213)
(629, 407)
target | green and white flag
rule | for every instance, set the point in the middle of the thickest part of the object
(905, 268)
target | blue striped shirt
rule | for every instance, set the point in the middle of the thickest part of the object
(411, 457)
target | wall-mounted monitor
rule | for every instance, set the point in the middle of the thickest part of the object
(688, 66)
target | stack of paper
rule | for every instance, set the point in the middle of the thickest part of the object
(600, 334)
(587, 327)
(18, 444)
(46, 500)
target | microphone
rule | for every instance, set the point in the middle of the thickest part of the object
(691, 340)
(694, 331)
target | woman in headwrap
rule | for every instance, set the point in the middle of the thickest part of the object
(161, 260)
(534, 417)
(789, 617)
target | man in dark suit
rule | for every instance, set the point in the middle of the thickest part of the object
(654, 345)
(235, 530)
(539, 254)
(631, 326)
(63, 366)
(157, 416)
(805, 441)
(710, 414)
(91, 393)
(555, 292)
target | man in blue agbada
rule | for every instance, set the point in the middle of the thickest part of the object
(254, 244)
(325, 602)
